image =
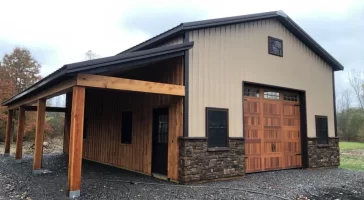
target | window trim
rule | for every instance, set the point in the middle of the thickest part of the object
(273, 38)
(121, 131)
(225, 148)
(327, 120)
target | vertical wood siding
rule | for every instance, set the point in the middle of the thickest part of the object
(223, 57)
(103, 116)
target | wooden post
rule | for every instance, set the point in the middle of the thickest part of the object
(39, 135)
(8, 133)
(19, 136)
(76, 139)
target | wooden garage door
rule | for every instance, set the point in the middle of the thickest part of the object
(271, 129)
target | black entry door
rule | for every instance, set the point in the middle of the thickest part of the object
(160, 141)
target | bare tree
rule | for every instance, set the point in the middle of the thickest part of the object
(356, 83)
(343, 113)
(90, 55)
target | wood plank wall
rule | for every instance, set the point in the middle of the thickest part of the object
(103, 110)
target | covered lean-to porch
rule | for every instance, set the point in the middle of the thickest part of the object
(125, 111)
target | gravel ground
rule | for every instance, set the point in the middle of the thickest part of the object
(104, 182)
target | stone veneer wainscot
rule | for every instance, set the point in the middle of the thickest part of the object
(323, 155)
(199, 163)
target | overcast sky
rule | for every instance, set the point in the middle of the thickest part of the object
(61, 32)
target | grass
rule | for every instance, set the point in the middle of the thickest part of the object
(352, 155)
(351, 162)
(351, 145)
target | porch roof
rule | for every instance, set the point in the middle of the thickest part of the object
(98, 66)
(102, 65)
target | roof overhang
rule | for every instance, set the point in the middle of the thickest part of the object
(279, 15)
(99, 66)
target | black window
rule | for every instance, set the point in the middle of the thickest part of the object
(217, 130)
(322, 132)
(126, 127)
(85, 125)
(275, 46)
(251, 92)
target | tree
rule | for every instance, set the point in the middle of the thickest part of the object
(22, 69)
(7, 89)
(343, 113)
(90, 55)
(356, 84)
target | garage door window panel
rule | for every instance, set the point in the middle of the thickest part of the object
(251, 92)
(271, 95)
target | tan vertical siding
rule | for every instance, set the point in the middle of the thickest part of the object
(223, 57)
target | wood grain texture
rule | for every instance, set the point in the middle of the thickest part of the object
(39, 134)
(103, 141)
(272, 132)
(20, 134)
(8, 131)
(53, 91)
(103, 110)
(76, 140)
(106, 82)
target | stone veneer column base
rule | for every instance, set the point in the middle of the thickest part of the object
(199, 163)
(323, 155)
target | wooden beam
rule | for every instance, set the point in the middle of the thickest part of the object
(8, 133)
(76, 139)
(53, 91)
(47, 109)
(106, 82)
(20, 134)
(39, 135)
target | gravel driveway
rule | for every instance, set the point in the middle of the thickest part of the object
(104, 182)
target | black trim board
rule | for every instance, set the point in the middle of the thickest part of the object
(334, 99)
(303, 115)
(129, 60)
(186, 64)
(279, 15)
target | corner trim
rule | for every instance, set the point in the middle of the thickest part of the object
(334, 99)
(186, 39)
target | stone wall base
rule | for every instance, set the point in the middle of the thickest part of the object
(198, 163)
(323, 155)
